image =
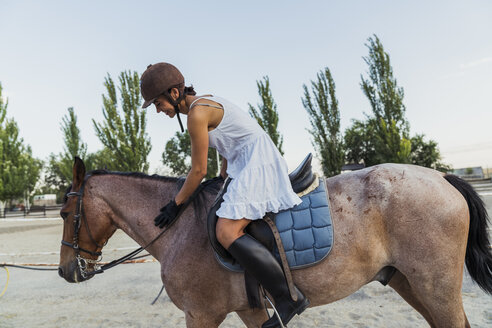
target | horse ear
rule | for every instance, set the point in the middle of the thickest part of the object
(78, 172)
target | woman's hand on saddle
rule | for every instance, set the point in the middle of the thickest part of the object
(168, 214)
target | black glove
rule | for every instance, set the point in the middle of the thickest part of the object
(168, 214)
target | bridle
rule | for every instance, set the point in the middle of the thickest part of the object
(79, 213)
(82, 262)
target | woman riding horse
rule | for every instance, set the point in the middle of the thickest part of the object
(259, 184)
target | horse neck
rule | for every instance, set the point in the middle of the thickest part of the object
(135, 202)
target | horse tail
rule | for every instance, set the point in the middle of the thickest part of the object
(478, 257)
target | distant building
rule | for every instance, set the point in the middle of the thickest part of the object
(42, 200)
(470, 173)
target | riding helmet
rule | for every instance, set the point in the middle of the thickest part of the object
(158, 79)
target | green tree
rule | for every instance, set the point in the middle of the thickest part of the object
(73, 145)
(32, 171)
(3, 113)
(54, 181)
(100, 160)
(124, 137)
(384, 136)
(177, 156)
(359, 142)
(267, 114)
(58, 171)
(392, 143)
(19, 170)
(324, 115)
(426, 153)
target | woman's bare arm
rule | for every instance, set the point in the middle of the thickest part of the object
(198, 129)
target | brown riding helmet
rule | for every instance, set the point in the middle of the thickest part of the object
(159, 79)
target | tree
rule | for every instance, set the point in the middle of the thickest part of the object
(427, 154)
(359, 142)
(101, 159)
(267, 114)
(322, 107)
(392, 142)
(54, 181)
(384, 136)
(32, 169)
(177, 156)
(3, 113)
(19, 171)
(124, 137)
(73, 145)
(58, 171)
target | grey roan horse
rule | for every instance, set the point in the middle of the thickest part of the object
(417, 220)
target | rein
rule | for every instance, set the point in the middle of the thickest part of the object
(79, 215)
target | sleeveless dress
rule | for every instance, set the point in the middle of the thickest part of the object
(260, 181)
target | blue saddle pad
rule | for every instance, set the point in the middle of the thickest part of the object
(306, 231)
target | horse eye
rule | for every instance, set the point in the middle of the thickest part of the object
(64, 215)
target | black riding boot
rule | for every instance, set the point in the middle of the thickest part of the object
(262, 265)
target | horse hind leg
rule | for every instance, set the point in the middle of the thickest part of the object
(200, 320)
(437, 296)
(253, 318)
(400, 284)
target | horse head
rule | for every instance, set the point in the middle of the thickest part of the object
(87, 227)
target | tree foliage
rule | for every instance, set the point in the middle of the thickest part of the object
(73, 145)
(58, 171)
(359, 142)
(54, 181)
(324, 115)
(177, 156)
(124, 137)
(426, 153)
(392, 142)
(19, 170)
(384, 136)
(3, 113)
(266, 114)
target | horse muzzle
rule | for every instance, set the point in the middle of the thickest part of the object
(73, 273)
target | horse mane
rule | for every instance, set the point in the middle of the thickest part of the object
(210, 186)
(137, 175)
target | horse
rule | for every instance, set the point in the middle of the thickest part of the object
(421, 222)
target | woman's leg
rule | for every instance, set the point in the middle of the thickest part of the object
(262, 265)
(228, 230)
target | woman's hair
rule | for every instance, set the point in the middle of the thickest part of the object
(189, 91)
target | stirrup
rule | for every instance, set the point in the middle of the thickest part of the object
(274, 310)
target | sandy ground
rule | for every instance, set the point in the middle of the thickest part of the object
(121, 297)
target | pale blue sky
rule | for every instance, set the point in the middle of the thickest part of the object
(54, 55)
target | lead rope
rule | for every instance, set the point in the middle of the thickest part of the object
(7, 283)
(159, 295)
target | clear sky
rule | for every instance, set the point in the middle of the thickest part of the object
(56, 54)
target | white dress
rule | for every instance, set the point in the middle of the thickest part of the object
(260, 181)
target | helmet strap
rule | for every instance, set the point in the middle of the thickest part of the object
(175, 104)
(179, 118)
